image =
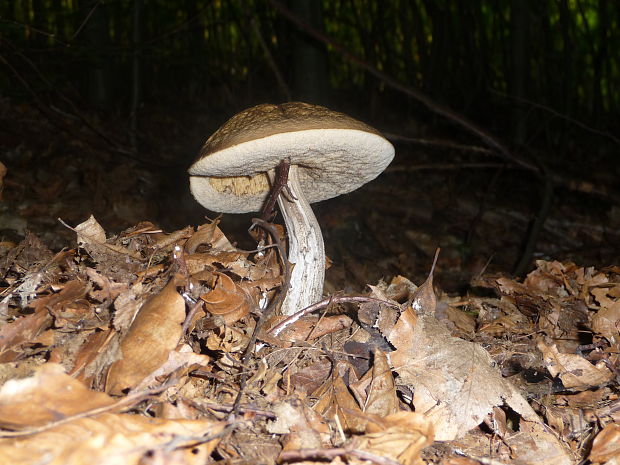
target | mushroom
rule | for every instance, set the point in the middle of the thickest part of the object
(329, 154)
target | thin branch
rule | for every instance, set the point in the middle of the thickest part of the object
(447, 113)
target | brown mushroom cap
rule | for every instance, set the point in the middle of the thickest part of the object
(335, 154)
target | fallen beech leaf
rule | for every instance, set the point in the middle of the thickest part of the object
(228, 302)
(423, 299)
(606, 322)
(91, 237)
(211, 235)
(47, 396)
(155, 332)
(115, 439)
(382, 399)
(606, 446)
(302, 425)
(24, 330)
(97, 352)
(574, 370)
(335, 399)
(182, 358)
(400, 436)
(455, 381)
(309, 328)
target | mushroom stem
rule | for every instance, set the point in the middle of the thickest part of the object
(306, 250)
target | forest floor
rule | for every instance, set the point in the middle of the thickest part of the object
(125, 311)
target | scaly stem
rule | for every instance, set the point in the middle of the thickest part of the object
(306, 252)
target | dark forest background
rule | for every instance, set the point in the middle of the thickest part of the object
(512, 102)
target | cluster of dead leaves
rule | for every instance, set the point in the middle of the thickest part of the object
(129, 349)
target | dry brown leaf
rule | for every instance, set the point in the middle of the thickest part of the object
(127, 305)
(335, 400)
(115, 439)
(309, 378)
(91, 237)
(154, 333)
(108, 289)
(98, 351)
(303, 426)
(606, 446)
(424, 300)
(47, 396)
(227, 302)
(574, 370)
(400, 437)
(382, 400)
(183, 360)
(311, 327)
(25, 330)
(606, 321)
(454, 380)
(210, 235)
(456, 385)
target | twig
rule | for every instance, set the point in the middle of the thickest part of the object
(277, 329)
(270, 61)
(273, 305)
(537, 226)
(329, 454)
(443, 166)
(437, 143)
(122, 404)
(446, 112)
(571, 120)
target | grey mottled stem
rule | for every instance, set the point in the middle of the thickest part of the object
(306, 250)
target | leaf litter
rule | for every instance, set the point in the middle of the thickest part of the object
(130, 349)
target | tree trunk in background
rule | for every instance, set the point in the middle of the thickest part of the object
(519, 25)
(95, 38)
(600, 52)
(136, 68)
(310, 82)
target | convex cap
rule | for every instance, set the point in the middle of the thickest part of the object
(335, 154)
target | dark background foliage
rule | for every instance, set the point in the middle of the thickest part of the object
(513, 102)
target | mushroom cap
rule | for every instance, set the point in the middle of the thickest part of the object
(334, 154)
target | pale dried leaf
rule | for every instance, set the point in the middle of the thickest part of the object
(574, 370)
(400, 437)
(47, 396)
(114, 439)
(606, 446)
(155, 332)
(382, 399)
(91, 237)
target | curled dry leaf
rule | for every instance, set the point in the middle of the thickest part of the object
(303, 426)
(382, 399)
(574, 370)
(24, 331)
(606, 446)
(307, 328)
(115, 439)
(183, 360)
(155, 332)
(227, 302)
(456, 386)
(47, 396)
(335, 400)
(400, 437)
(91, 237)
(606, 321)
(210, 235)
